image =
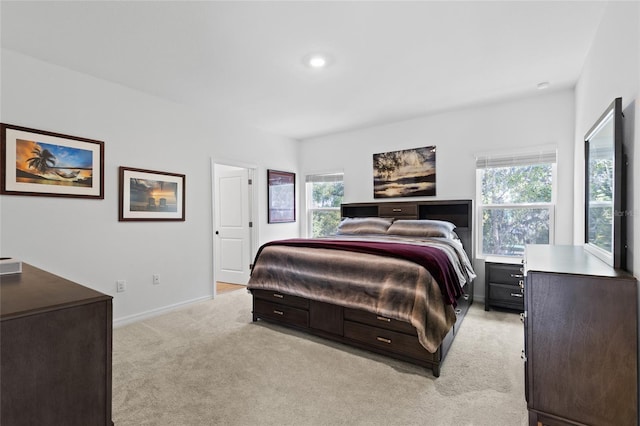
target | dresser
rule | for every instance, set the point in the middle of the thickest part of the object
(503, 287)
(55, 351)
(581, 339)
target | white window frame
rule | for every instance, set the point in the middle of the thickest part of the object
(544, 156)
(309, 179)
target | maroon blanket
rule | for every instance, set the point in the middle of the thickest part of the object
(431, 258)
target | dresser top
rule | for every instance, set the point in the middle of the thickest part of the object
(568, 260)
(34, 291)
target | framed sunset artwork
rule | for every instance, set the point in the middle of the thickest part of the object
(405, 173)
(42, 163)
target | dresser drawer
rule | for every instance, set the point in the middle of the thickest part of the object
(284, 313)
(506, 295)
(386, 339)
(378, 321)
(400, 211)
(281, 298)
(504, 273)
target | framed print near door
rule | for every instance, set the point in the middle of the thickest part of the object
(282, 196)
(37, 162)
(149, 195)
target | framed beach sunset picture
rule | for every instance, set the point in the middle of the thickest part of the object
(37, 162)
(149, 195)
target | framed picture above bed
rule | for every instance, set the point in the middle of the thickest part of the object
(405, 173)
(282, 196)
(149, 195)
(37, 162)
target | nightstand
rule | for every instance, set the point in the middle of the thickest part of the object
(503, 285)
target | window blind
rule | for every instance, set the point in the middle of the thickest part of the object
(525, 159)
(333, 177)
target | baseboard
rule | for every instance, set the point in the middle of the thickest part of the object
(119, 322)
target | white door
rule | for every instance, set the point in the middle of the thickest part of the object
(232, 239)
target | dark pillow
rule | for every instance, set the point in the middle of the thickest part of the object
(422, 228)
(364, 225)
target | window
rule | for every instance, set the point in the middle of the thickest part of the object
(516, 202)
(324, 196)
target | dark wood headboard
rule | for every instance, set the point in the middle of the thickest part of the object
(458, 212)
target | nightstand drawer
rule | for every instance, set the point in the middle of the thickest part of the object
(506, 295)
(505, 274)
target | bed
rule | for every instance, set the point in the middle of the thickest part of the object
(396, 279)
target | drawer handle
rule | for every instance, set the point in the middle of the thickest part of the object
(279, 296)
(383, 340)
(383, 319)
(465, 296)
(458, 311)
(516, 275)
(523, 356)
(278, 312)
(516, 294)
(522, 317)
(397, 210)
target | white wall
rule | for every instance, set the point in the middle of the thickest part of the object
(612, 70)
(458, 135)
(82, 240)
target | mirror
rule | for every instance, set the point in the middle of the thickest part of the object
(604, 187)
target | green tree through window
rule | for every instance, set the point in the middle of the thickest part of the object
(516, 207)
(324, 196)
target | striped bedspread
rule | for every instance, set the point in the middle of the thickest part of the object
(387, 285)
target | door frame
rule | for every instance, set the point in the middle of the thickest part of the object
(253, 209)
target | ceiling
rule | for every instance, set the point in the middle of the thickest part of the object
(390, 60)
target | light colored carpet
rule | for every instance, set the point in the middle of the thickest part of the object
(209, 364)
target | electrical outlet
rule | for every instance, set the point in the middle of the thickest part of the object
(121, 285)
(156, 278)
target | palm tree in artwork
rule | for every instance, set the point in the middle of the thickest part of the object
(42, 160)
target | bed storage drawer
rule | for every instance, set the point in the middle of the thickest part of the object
(379, 321)
(284, 313)
(385, 339)
(281, 298)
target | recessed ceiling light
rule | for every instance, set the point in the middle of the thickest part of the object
(543, 85)
(317, 60)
